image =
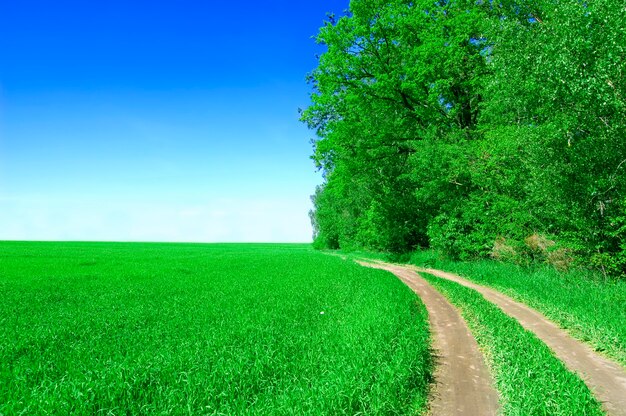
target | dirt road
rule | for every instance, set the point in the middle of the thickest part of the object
(463, 384)
(606, 379)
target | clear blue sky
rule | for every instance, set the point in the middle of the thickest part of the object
(156, 120)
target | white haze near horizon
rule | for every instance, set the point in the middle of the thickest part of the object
(217, 220)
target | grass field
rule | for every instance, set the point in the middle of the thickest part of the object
(590, 308)
(112, 328)
(530, 379)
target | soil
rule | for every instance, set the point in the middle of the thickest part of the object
(463, 384)
(606, 379)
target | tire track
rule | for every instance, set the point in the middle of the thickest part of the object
(606, 379)
(463, 384)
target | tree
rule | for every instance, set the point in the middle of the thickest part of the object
(459, 124)
(558, 87)
(396, 74)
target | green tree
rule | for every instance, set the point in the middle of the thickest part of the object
(558, 88)
(397, 76)
(459, 124)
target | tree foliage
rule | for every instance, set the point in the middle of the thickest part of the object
(458, 124)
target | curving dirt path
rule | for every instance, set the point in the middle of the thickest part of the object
(606, 379)
(463, 385)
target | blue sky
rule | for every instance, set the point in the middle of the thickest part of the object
(156, 121)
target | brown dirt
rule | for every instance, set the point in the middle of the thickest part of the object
(606, 379)
(463, 385)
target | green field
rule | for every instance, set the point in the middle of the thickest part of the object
(115, 328)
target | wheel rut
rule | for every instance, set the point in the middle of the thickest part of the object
(463, 384)
(606, 379)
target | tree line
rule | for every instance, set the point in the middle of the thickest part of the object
(477, 128)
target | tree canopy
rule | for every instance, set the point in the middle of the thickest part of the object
(475, 128)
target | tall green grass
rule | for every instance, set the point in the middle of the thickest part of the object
(104, 328)
(530, 379)
(590, 308)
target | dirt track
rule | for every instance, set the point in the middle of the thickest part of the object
(463, 385)
(606, 379)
